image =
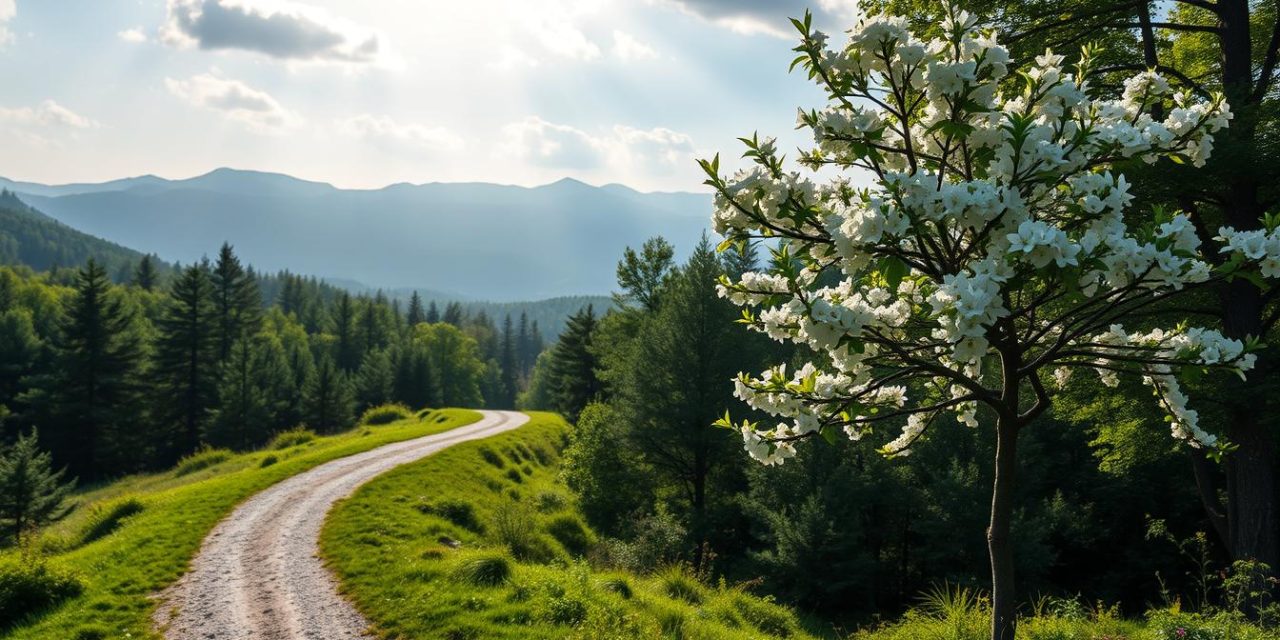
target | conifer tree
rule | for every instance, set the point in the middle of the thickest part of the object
(346, 332)
(32, 494)
(573, 365)
(236, 301)
(416, 314)
(433, 313)
(187, 358)
(375, 380)
(145, 276)
(453, 314)
(508, 366)
(93, 390)
(329, 401)
(244, 410)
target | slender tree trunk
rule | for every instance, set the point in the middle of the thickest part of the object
(1004, 604)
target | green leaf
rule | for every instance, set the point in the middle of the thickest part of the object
(893, 269)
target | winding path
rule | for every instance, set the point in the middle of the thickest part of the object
(258, 574)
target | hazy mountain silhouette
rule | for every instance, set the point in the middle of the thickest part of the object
(481, 240)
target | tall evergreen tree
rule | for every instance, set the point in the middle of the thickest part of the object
(243, 415)
(236, 301)
(32, 494)
(453, 314)
(93, 391)
(416, 314)
(187, 358)
(345, 330)
(20, 349)
(573, 365)
(329, 401)
(375, 380)
(508, 366)
(433, 313)
(145, 276)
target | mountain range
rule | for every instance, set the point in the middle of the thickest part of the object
(475, 240)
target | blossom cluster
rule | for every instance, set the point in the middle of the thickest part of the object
(983, 198)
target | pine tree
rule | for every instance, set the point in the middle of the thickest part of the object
(345, 330)
(145, 276)
(433, 313)
(416, 314)
(32, 494)
(371, 326)
(508, 366)
(375, 380)
(94, 388)
(573, 365)
(453, 314)
(523, 358)
(244, 411)
(20, 349)
(236, 300)
(329, 402)
(187, 358)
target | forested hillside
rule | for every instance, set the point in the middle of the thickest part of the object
(28, 237)
(119, 378)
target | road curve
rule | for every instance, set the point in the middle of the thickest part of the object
(258, 574)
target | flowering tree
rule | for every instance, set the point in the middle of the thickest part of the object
(989, 259)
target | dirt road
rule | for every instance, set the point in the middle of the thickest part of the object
(257, 574)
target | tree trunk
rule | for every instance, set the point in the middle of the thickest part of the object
(999, 541)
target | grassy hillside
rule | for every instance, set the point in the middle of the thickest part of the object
(129, 539)
(480, 541)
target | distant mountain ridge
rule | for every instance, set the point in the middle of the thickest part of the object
(480, 240)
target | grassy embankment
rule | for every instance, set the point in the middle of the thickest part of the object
(127, 540)
(480, 541)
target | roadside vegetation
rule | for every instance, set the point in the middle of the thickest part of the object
(94, 574)
(482, 540)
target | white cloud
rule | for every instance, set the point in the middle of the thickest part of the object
(384, 129)
(8, 9)
(276, 28)
(770, 17)
(236, 100)
(627, 48)
(134, 34)
(621, 151)
(47, 114)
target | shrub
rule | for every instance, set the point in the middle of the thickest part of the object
(204, 458)
(268, 461)
(486, 570)
(29, 584)
(569, 531)
(458, 512)
(492, 457)
(564, 610)
(105, 518)
(515, 527)
(549, 501)
(679, 585)
(385, 414)
(514, 476)
(292, 438)
(769, 618)
(617, 585)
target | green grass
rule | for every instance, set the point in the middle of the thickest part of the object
(127, 540)
(458, 546)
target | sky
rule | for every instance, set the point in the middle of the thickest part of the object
(366, 93)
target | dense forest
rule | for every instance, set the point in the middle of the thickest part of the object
(119, 378)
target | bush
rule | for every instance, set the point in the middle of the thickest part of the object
(550, 501)
(292, 438)
(566, 611)
(29, 585)
(569, 531)
(769, 618)
(268, 461)
(515, 526)
(514, 475)
(204, 458)
(679, 585)
(456, 511)
(617, 585)
(105, 518)
(385, 414)
(486, 570)
(492, 457)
